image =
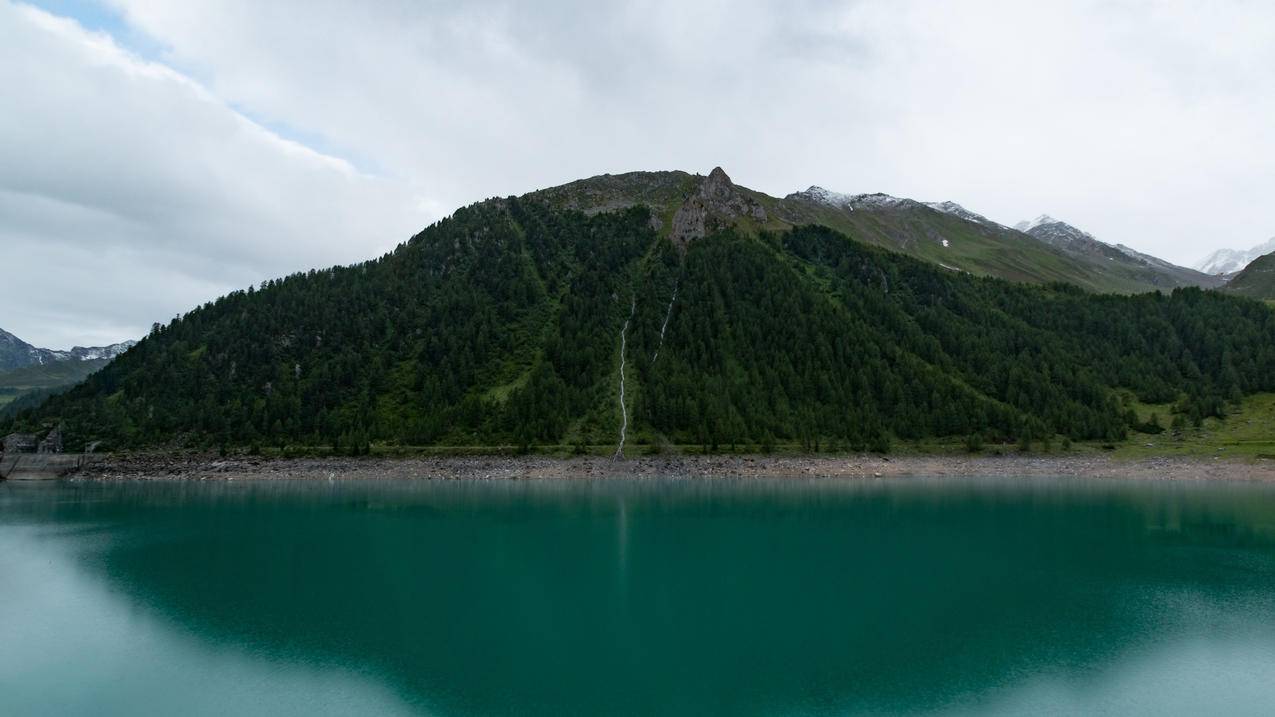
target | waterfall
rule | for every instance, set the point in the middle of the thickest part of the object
(624, 411)
(664, 326)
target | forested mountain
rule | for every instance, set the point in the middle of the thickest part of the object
(508, 323)
(1256, 280)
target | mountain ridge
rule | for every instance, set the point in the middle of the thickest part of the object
(1154, 271)
(566, 317)
(944, 232)
(16, 353)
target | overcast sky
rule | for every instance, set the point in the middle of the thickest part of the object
(156, 154)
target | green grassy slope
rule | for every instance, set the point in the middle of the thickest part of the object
(26, 387)
(977, 249)
(50, 375)
(1244, 430)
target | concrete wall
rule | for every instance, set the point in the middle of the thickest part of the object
(39, 466)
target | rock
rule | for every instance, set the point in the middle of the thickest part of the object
(52, 443)
(717, 205)
(19, 443)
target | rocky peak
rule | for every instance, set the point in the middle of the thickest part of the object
(717, 185)
(715, 205)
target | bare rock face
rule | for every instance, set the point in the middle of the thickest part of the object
(716, 205)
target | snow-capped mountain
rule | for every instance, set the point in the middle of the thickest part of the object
(16, 353)
(1082, 244)
(1078, 241)
(1068, 237)
(1229, 261)
(956, 210)
(877, 200)
(91, 353)
(1059, 233)
(1026, 226)
(819, 195)
(1043, 249)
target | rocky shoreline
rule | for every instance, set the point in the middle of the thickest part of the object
(201, 467)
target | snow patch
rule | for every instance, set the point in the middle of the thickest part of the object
(1040, 221)
(956, 210)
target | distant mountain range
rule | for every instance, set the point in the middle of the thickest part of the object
(29, 374)
(16, 353)
(1117, 257)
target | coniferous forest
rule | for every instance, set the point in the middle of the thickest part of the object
(501, 326)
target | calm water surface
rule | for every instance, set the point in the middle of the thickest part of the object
(637, 598)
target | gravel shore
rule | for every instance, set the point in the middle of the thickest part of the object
(182, 467)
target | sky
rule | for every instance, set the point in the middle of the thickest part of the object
(155, 155)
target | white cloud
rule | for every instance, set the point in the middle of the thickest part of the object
(1145, 122)
(129, 193)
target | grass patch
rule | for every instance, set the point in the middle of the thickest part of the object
(1248, 432)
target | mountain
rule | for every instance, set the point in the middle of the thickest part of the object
(668, 308)
(16, 353)
(956, 210)
(1230, 261)
(1256, 280)
(29, 374)
(944, 233)
(1114, 259)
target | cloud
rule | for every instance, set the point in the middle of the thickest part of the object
(1143, 122)
(129, 193)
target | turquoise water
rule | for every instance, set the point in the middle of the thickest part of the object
(901, 596)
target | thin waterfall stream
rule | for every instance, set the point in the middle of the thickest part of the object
(664, 326)
(624, 411)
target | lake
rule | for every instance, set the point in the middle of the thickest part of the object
(642, 597)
